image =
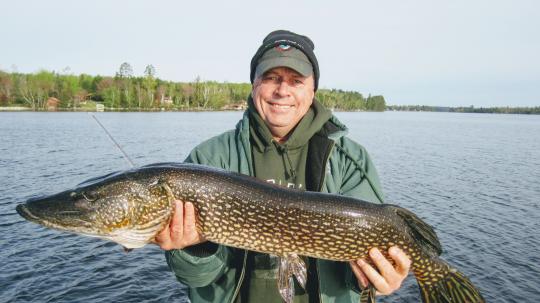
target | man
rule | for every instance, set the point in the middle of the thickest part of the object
(285, 137)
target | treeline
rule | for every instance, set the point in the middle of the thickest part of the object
(127, 92)
(350, 100)
(467, 109)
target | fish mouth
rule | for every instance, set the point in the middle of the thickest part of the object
(23, 210)
(25, 213)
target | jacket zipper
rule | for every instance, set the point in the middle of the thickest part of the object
(245, 143)
(240, 279)
(320, 188)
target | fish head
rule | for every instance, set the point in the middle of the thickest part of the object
(114, 208)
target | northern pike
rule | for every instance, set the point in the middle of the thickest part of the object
(131, 207)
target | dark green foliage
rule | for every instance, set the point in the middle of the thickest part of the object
(126, 92)
(350, 100)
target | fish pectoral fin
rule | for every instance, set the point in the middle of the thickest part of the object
(161, 186)
(289, 266)
(368, 294)
(298, 269)
(285, 281)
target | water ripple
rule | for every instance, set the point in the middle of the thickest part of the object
(473, 177)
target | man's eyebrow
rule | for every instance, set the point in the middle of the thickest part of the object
(292, 73)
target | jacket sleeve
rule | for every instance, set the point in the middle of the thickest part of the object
(202, 264)
(358, 177)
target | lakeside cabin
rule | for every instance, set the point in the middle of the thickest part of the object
(52, 104)
(242, 105)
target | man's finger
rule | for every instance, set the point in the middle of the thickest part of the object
(190, 227)
(403, 263)
(385, 268)
(373, 275)
(160, 237)
(177, 222)
(360, 276)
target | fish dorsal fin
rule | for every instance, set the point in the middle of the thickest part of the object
(422, 231)
(289, 266)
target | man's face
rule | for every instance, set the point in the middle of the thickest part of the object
(282, 97)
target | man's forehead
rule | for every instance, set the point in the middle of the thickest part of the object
(282, 70)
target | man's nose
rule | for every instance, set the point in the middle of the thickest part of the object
(283, 89)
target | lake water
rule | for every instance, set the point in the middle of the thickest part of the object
(474, 177)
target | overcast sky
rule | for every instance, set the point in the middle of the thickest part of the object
(455, 52)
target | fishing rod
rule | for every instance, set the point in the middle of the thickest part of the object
(126, 157)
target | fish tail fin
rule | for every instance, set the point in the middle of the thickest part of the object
(447, 286)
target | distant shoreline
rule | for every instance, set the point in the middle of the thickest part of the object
(52, 91)
(467, 109)
(391, 108)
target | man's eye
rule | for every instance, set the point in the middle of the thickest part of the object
(298, 82)
(270, 78)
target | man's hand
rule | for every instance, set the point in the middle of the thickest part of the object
(386, 278)
(181, 232)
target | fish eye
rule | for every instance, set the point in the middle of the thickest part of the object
(89, 196)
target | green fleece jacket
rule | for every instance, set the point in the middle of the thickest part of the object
(215, 274)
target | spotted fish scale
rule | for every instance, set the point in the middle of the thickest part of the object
(262, 217)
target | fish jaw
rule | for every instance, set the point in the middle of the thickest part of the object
(53, 214)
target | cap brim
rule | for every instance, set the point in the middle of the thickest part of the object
(303, 68)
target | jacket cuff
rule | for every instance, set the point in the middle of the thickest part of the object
(196, 267)
(202, 250)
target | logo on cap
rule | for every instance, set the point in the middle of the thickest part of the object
(283, 47)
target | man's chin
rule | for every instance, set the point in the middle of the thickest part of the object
(280, 129)
(280, 123)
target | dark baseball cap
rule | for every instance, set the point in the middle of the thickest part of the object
(295, 44)
(284, 55)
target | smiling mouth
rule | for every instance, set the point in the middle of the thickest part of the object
(281, 106)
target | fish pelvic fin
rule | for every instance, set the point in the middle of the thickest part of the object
(291, 266)
(447, 286)
(368, 294)
(422, 232)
